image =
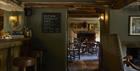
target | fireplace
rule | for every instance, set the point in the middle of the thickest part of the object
(135, 52)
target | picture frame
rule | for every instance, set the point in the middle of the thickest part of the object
(134, 25)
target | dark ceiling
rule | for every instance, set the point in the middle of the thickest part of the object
(83, 8)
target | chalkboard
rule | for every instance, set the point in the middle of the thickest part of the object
(51, 22)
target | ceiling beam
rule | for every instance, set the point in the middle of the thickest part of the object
(1, 12)
(83, 15)
(50, 4)
(115, 4)
(74, 9)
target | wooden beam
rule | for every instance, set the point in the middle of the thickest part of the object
(50, 4)
(74, 9)
(115, 4)
(82, 11)
(1, 12)
(83, 15)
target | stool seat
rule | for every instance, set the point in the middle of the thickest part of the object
(24, 61)
(37, 53)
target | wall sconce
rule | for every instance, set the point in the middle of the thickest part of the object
(101, 17)
(13, 20)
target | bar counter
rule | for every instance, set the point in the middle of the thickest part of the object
(9, 49)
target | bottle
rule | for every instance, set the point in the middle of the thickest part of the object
(25, 32)
(30, 33)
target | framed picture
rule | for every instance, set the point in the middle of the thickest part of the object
(134, 25)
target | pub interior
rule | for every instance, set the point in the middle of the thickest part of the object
(69, 35)
(84, 39)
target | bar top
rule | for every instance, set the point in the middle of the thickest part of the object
(8, 43)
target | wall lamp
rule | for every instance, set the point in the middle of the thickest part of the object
(13, 20)
(101, 17)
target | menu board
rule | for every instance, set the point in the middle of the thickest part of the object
(51, 22)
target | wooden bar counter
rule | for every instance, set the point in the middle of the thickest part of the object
(9, 49)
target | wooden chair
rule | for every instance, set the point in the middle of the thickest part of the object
(24, 62)
(111, 46)
(74, 51)
(38, 54)
(128, 62)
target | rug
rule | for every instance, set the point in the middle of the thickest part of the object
(83, 66)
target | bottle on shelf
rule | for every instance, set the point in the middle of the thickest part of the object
(27, 32)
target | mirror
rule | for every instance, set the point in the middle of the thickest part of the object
(15, 23)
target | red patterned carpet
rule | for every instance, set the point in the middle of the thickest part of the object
(83, 66)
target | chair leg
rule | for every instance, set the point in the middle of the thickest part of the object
(24, 69)
(35, 68)
(36, 65)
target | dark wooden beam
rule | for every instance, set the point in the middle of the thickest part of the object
(115, 4)
(1, 12)
(74, 9)
(83, 15)
(67, 4)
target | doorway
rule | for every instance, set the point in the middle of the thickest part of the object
(84, 40)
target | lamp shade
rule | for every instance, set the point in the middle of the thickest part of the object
(11, 18)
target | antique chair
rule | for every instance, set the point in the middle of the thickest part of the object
(74, 50)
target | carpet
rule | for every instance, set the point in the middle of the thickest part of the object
(83, 65)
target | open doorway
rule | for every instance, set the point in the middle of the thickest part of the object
(84, 40)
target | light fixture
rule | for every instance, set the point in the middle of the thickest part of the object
(101, 17)
(13, 20)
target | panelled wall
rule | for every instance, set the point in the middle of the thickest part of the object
(54, 43)
(8, 51)
(119, 24)
(1, 19)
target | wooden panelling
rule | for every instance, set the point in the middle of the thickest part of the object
(1, 19)
(3, 58)
(1, 12)
(1, 22)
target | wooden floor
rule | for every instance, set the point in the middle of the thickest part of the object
(86, 65)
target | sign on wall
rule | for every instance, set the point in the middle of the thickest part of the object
(51, 22)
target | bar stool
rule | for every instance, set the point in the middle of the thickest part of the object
(38, 54)
(23, 62)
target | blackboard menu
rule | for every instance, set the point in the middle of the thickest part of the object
(51, 22)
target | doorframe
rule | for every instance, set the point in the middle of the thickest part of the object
(104, 30)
